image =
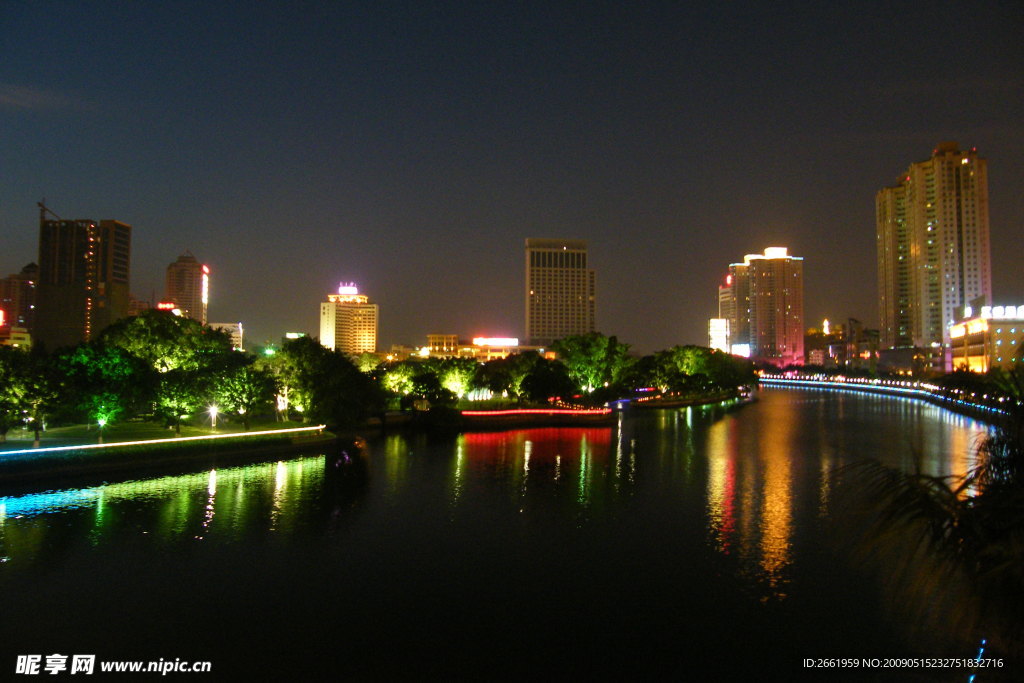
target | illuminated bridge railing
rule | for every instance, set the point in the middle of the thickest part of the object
(953, 398)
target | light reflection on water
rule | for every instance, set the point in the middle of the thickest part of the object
(222, 503)
(759, 476)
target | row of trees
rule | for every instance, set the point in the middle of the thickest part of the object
(166, 367)
(591, 368)
(161, 366)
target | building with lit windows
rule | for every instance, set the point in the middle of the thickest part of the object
(734, 307)
(560, 296)
(348, 321)
(188, 286)
(18, 298)
(83, 279)
(762, 302)
(992, 337)
(933, 248)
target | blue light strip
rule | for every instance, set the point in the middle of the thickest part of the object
(875, 386)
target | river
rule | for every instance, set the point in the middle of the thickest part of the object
(676, 543)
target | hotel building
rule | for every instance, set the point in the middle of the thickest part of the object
(559, 290)
(348, 321)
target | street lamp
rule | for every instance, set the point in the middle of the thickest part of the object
(102, 422)
(213, 416)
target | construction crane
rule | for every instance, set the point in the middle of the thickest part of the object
(43, 210)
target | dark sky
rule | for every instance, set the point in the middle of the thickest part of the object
(413, 146)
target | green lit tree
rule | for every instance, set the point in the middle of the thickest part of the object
(179, 394)
(332, 388)
(100, 383)
(12, 363)
(698, 369)
(506, 375)
(397, 377)
(32, 388)
(593, 360)
(367, 362)
(169, 342)
(457, 375)
(245, 390)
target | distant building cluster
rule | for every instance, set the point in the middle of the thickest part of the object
(934, 290)
(560, 301)
(81, 284)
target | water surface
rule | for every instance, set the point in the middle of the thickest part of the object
(676, 542)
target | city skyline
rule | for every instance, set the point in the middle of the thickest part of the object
(404, 145)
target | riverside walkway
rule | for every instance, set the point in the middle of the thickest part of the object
(983, 406)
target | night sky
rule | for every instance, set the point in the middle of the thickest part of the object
(412, 147)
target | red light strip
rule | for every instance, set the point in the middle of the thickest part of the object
(536, 411)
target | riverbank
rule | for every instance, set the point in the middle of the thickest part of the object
(50, 463)
(684, 401)
(920, 390)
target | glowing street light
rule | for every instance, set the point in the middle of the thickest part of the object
(213, 410)
(102, 422)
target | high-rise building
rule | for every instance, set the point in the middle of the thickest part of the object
(83, 279)
(559, 290)
(348, 321)
(734, 306)
(763, 301)
(933, 248)
(188, 286)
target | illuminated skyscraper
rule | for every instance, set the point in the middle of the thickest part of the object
(559, 290)
(348, 321)
(763, 300)
(83, 279)
(933, 247)
(188, 286)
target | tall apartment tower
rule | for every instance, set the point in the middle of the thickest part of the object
(348, 321)
(763, 300)
(933, 247)
(188, 286)
(560, 290)
(83, 279)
